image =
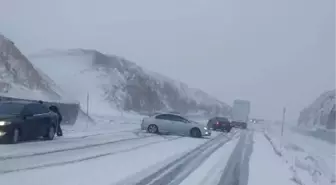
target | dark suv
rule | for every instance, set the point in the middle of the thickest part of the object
(21, 120)
(220, 123)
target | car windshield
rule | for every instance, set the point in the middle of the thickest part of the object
(189, 118)
(10, 108)
(192, 120)
(189, 121)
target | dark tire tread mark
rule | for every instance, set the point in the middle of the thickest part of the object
(101, 134)
(71, 149)
(236, 171)
(170, 177)
(86, 158)
(186, 156)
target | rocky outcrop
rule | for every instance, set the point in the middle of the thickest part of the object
(20, 80)
(321, 113)
(18, 77)
(122, 84)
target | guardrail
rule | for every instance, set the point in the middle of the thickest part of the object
(69, 111)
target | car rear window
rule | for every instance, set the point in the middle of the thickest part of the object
(11, 108)
(222, 119)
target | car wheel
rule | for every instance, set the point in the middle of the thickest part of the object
(195, 132)
(16, 136)
(153, 129)
(50, 133)
(228, 129)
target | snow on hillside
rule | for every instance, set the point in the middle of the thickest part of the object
(191, 94)
(19, 78)
(115, 83)
(74, 73)
(321, 113)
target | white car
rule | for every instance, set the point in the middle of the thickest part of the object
(174, 124)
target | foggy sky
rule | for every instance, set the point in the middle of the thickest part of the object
(274, 53)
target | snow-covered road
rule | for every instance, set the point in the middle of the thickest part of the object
(128, 156)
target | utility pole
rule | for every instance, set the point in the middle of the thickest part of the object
(282, 126)
(87, 104)
(283, 120)
(321, 117)
(87, 109)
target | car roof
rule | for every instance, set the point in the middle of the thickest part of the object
(16, 102)
(174, 114)
(219, 117)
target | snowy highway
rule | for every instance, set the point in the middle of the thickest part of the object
(129, 156)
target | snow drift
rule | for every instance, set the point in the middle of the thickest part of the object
(110, 83)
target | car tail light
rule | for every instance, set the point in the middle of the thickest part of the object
(217, 123)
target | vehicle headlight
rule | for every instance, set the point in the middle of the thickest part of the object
(2, 133)
(205, 128)
(3, 123)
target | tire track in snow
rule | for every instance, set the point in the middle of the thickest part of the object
(236, 171)
(86, 158)
(134, 131)
(2, 158)
(176, 171)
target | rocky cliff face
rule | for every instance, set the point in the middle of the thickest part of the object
(18, 77)
(321, 113)
(114, 82)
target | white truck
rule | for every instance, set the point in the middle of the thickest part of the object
(240, 113)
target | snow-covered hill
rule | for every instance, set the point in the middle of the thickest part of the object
(19, 78)
(321, 113)
(114, 83)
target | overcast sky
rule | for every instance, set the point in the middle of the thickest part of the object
(274, 53)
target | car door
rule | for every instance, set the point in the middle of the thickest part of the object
(30, 122)
(180, 125)
(42, 114)
(164, 122)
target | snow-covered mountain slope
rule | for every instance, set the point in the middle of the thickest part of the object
(321, 113)
(115, 83)
(19, 78)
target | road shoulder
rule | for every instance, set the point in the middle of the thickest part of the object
(268, 168)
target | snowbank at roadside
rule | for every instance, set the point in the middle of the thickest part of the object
(98, 123)
(311, 160)
(265, 166)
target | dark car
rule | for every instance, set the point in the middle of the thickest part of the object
(26, 120)
(220, 123)
(239, 124)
